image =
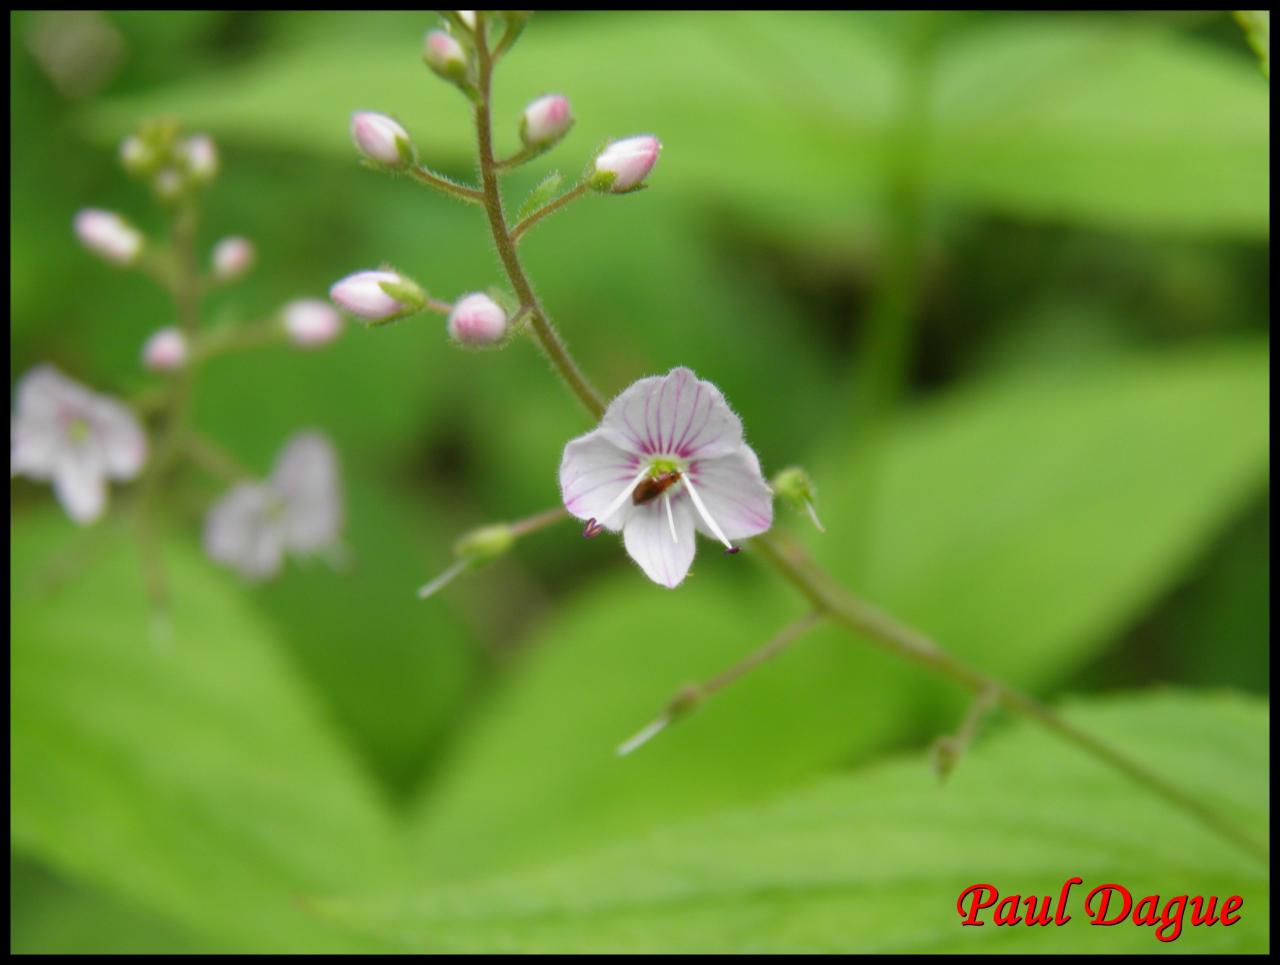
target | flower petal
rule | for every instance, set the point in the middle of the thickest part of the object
(675, 415)
(593, 471)
(240, 532)
(121, 443)
(34, 442)
(647, 536)
(735, 494)
(306, 478)
(79, 484)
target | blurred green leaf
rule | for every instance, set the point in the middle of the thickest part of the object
(198, 779)
(1257, 27)
(1081, 118)
(1022, 525)
(875, 861)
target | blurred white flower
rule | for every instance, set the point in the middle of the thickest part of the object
(65, 434)
(310, 322)
(165, 351)
(298, 510)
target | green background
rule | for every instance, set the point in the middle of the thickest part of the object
(1000, 282)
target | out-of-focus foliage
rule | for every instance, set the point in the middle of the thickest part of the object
(1071, 492)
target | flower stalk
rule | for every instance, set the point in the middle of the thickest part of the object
(829, 599)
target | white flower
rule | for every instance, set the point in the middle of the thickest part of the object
(165, 351)
(65, 433)
(667, 458)
(108, 235)
(310, 322)
(297, 510)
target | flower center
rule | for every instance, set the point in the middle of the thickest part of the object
(78, 429)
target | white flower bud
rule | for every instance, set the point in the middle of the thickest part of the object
(445, 55)
(546, 120)
(232, 257)
(136, 155)
(108, 235)
(378, 296)
(381, 139)
(202, 158)
(477, 319)
(623, 165)
(165, 350)
(311, 322)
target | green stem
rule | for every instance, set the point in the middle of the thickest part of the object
(549, 208)
(441, 183)
(540, 325)
(827, 596)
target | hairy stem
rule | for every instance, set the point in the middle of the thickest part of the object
(829, 599)
(549, 208)
(540, 325)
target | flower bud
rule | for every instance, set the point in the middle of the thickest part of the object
(381, 139)
(232, 257)
(468, 17)
(444, 55)
(202, 158)
(545, 121)
(165, 350)
(378, 296)
(310, 322)
(486, 543)
(794, 486)
(477, 319)
(108, 235)
(623, 165)
(137, 156)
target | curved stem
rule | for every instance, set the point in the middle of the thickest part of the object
(441, 183)
(828, 597)
(843, 607)
(543, 331)
(549, 208)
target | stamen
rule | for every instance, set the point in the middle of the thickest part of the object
(706, 516)
(593, 527)
(671, 519)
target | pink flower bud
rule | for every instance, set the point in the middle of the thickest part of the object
(232, 257)
(108, 235)
(202, 158)
(546, 120)
(381, 139)
(477, 319)
(377, 296)
(165, 350)
(310, 322)
(624, 164)
(444, 55)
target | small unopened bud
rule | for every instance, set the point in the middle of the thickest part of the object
(108, 235)
(468, 17)
(137, 156)
(232, 257)
(444, 55)
(545, 121)
(378, 296)
(310, 322)
(169, 184)
(477, 319)
(165, 350)
(381, 139)
(794, 486)
(202, 158)
(623, 165)
(486, 543)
